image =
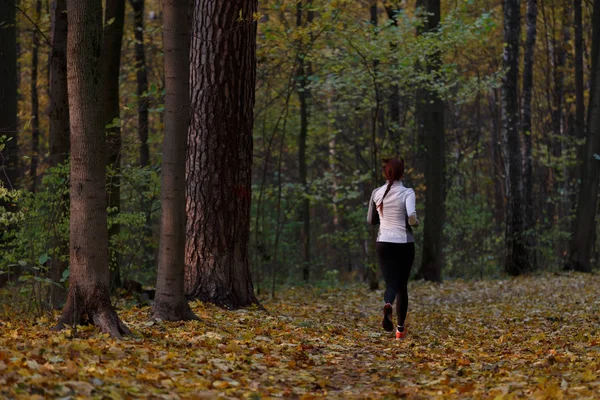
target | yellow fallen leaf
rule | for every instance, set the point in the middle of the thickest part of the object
(71, 368)
(220, 384)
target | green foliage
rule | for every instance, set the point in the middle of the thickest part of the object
(355, 67)
(35, 230)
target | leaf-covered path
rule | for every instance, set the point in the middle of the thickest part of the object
(534, 337)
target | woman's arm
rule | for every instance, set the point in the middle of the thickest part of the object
(372, 215)
(411, 209)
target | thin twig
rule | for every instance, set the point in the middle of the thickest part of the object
(36, 27)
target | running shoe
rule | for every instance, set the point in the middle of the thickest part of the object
(387, 323)
(400, 332)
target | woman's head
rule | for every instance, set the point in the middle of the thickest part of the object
(393, 170)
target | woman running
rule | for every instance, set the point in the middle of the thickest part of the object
(393, 207)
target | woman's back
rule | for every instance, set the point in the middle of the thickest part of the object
(398, 205)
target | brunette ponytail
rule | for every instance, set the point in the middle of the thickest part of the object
(393, 171)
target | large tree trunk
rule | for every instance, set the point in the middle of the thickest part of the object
(517, 260)
(303, 96)
(170, 303)
(58, 112)
(9, 157)
(142, 80)
(529, 218)
(582, 240)
(35, 104)
(218, 176)
(88, 299)
(111, 66)
(435, 164)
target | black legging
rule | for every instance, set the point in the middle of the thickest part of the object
(396, 260)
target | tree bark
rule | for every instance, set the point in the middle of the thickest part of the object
(170, 303)
(529, 217)
(88, 300)
(395, 122)
(558, 109)
(59, 104)
(517, 260)
(218, 174)
(35, 104)
(9, 157)
(579, 88)
(582, 240)
(370, 275)
(58, 112)
(303, 95)
(435, 164)
(111, 65)
(142, 81)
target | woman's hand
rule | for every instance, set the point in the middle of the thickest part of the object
(413, 220)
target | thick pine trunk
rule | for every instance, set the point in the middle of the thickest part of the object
(142, 80)
(9, 157)
(516, 261)
(170, 303)
(35, 104)
(111, 66)
(582, 240)
(432, 111)
(58, 112)
(218, 175)
(88, 299)
(529, 218)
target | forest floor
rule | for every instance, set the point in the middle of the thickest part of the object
(532, 337)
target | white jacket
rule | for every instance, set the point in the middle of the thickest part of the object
(398, 206)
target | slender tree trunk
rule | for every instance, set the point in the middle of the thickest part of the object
(9, 157)
(371, 273)
(111, 66)
(517, 260)
(35, 104)
(59, 105)
(58, 112)
(143, 98)
(582, 240)
(579, 88)
(170, 303)
(142, 80)
(395, 123)
(558, 108)
(88, 299)
(435, 165)
(529, 218)
(218, 174)
(497, 161)
(303, 95)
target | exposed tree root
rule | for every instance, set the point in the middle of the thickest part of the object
(92, 307)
